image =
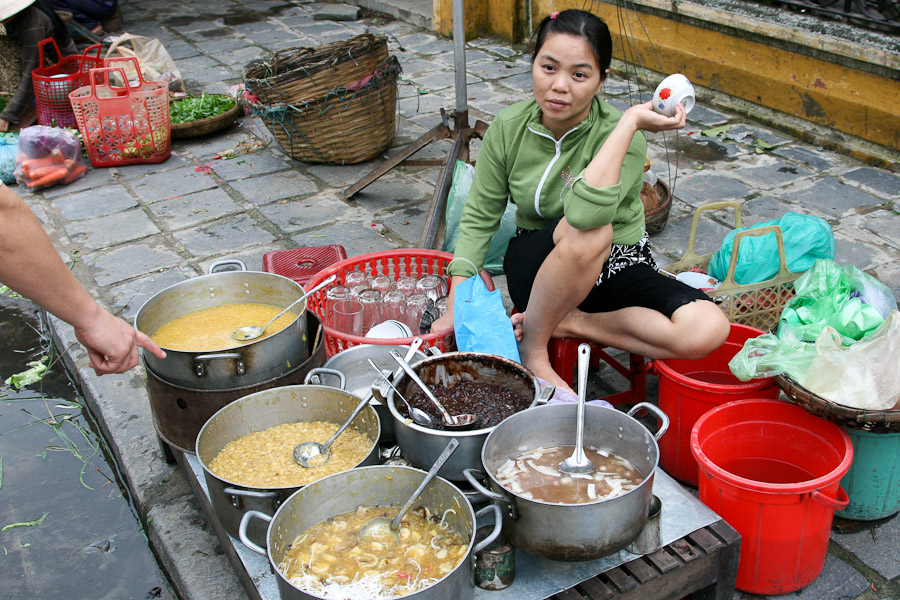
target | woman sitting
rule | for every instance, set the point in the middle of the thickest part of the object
(28, 22)
(580, 264)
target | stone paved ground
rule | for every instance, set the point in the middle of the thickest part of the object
(135, 230)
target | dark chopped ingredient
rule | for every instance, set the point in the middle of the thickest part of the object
(491, 403)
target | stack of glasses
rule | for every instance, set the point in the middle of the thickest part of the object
(383, 307)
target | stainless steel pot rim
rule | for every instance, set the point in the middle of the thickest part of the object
(232, 405)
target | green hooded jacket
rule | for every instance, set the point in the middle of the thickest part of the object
(521, 160)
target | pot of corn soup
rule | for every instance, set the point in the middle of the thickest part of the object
(246, 448)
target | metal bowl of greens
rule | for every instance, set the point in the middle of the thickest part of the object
(194, 116)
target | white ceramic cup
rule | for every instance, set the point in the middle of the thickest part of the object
(674, 90)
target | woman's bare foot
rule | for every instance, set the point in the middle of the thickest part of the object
(539, 364)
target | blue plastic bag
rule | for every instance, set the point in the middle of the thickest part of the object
(480, 322)
(806, 239)
(9, 143)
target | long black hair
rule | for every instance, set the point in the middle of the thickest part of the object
(580, 24)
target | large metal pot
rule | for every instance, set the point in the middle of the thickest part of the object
(179, 413)
(350, 370)
(259, 411)
(217, 368)
(573, 532)
(372, 486)
(420, 445)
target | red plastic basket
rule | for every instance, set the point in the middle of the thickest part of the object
(393, 263)
(123, 125)
(54, 83)
(301, 264)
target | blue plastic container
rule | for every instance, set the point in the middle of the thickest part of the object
(873, 481)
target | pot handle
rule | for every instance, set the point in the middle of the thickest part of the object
(242, 529)
(498, 525)
(319, 371)
(839, 503)
(652, 408)
(238, 492)
(228, 262)
(200, 367)
(545, 394)
(472, 475)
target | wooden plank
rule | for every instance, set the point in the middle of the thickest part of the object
(729, 557)
(594, 589)
(699, 573)
(706, 540)
(685, 550)
(619, 578)
(665, 560)
(641, 570)
(569, 594)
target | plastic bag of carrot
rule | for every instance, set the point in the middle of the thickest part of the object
(48, 156)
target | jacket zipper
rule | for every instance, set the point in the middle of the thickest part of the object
(558, 144)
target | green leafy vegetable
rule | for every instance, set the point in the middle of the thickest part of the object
(34, 523)
(194, 108)
(32, 375)
(715, 131)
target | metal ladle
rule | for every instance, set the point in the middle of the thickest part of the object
(417, 414)
(464, 421)
(383, 528)
(251, 332)
(313, 454)
(578, 462)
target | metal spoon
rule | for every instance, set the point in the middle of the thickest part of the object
(313, 454)
(251, 332)
(382, 528)
(418, 415)
(578, 462)
(464, 421)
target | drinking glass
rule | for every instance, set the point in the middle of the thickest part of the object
(382, 283)
(371, 313)
(356, 277)
(347, 317)
(416, 305)
(433, 286)
(334, 294)
(406, 284)
(395, 306)
(440, 306)
(359, 288)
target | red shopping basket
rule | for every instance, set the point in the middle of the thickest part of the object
(123, 125)
(393, 263)
(54, 83)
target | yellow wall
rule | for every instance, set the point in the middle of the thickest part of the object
(831, 95)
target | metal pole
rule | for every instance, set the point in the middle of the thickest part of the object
(459, 64)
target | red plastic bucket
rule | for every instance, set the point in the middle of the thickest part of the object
(689, 388)
(773, 472)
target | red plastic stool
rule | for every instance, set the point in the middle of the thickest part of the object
(301, 264)
(564, 356)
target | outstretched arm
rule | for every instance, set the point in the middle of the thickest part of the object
(30, 265)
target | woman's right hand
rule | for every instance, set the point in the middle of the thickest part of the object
(4, 125)
(443, 324)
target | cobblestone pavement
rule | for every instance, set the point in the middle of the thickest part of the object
(135, 230)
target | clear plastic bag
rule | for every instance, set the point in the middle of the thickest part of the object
(48, 156)
(9, 143)
(155, 61)
(863, 375)
(463, 174)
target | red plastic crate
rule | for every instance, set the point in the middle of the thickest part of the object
(301, 264)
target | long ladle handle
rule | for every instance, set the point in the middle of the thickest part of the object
(412, 375)
(300, 299)
(584, 358)
(356, 411)
(451, 447)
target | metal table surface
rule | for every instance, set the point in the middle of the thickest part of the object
(699, 554)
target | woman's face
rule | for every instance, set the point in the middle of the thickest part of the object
(566, 78)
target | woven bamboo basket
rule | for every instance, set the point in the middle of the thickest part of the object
(202, 127)
(756, 305)
(300, 74)
(344, 126)
(655, 220)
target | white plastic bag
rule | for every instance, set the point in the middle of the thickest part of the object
(864, 375)
(156, 64)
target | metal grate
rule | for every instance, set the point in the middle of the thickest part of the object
(877, 15)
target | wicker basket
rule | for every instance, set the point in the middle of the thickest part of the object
(299, 74)
(758, 304)
(344, 126)
(206, 126)
(655, 220)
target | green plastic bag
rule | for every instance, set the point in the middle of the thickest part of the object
(768, 355)
(463, 173)
(842, 297)
(806, 239)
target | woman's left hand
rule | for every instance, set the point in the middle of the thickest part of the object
(648, 119)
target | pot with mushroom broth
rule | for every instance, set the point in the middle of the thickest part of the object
(246, 448)
(499, 388)
(314, 548)
(521, 458)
